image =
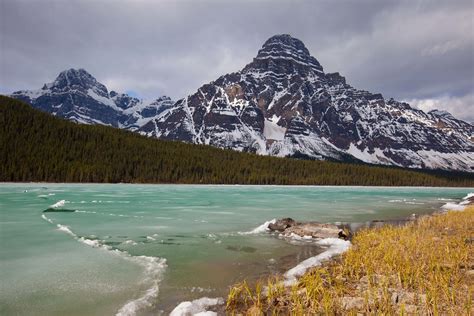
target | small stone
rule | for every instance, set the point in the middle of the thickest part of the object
(446, 266)
(374, 279)
(409, 309)
(349, 303)
(422, 298)
(342, 234)
(407, 298)
(395, 298)
(467, 266)
(302, 291)
(254, 311)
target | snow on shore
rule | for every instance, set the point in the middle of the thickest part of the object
(450, 206)
(197, 307)
(336, 246)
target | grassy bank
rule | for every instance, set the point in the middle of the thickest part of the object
(425, 267)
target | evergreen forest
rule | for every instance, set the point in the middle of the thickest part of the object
(39, 147)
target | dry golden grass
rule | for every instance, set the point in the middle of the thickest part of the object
(424, 268)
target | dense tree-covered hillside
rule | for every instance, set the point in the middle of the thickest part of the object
(38, 147)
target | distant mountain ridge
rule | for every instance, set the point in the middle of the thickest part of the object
(76, 95)
(281, 104)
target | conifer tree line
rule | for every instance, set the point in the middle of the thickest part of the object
(36, 146)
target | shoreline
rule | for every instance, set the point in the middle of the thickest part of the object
(327, 259)
(236, 184)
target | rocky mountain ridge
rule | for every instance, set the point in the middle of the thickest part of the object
(77, 96)
(281, 104)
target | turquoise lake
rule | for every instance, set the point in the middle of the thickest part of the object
(127, 249)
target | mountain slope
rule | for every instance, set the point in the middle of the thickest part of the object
(283, 104)
(39, 147)
(77, 96)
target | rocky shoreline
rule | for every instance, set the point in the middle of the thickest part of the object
(381, 290)
(407, 301)
(288, 227)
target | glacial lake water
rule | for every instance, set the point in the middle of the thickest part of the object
(141, 249)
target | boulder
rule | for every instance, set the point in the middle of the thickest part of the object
(314, 229)
(282, 224)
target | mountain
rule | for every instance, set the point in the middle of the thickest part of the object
(77, 96)
(281, 104)
(37, 146)
(284, 104)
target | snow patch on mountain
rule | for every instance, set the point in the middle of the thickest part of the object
(273, 131)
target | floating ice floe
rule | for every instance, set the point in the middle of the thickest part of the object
(46, 218)
(130, 242)
(59, 204)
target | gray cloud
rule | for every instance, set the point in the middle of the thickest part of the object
(455, 105)
(409, 50)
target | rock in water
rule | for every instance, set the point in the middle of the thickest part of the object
(314, 229)
(281, 224)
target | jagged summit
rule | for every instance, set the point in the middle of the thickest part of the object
(441, 113)
(283, 44)
(164, 98)
(284, 53)
(75, 73)
(77, 79)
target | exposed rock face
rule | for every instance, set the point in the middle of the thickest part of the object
(76, 95)
(281, 104)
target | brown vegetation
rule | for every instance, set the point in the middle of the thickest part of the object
(425, 267)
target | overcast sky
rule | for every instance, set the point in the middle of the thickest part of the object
(418, 51)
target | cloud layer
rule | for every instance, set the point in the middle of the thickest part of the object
(409, 50)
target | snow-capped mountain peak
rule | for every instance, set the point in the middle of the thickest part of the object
(281, 104)
(282, 53)
(77, 95)
(77, 79)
